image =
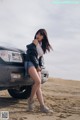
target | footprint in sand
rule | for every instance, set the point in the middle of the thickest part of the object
(23, 118)
(62, 116)
(14, 119)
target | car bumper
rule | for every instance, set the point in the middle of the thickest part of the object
(12, 76)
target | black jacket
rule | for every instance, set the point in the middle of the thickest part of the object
(32, 55)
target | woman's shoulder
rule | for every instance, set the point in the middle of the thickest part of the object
(31, 46)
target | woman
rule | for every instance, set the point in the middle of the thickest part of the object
(33, 64)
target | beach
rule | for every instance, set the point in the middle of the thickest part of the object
(62, 96)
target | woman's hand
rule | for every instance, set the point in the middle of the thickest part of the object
(38, 69)
(35, 41)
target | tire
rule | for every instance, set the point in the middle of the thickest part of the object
(21, 93)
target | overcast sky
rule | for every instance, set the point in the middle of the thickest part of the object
(20, 19)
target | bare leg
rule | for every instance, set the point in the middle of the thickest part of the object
(39, 93)
(34, 75)
(43, 108)
(36, 89)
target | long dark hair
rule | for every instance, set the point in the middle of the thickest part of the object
(45, 42)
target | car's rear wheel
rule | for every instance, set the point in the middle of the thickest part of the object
(20, 93)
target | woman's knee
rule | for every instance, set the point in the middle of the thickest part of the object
(38, 82)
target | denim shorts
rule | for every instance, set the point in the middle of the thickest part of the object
(28, 64)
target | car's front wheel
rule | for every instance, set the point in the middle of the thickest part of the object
(20, 93)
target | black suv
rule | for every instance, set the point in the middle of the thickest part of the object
(12, 73)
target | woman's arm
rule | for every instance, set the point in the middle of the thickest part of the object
(35, 61)
(33, 58)
(32, 53)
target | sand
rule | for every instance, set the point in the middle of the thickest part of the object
(62, 96)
